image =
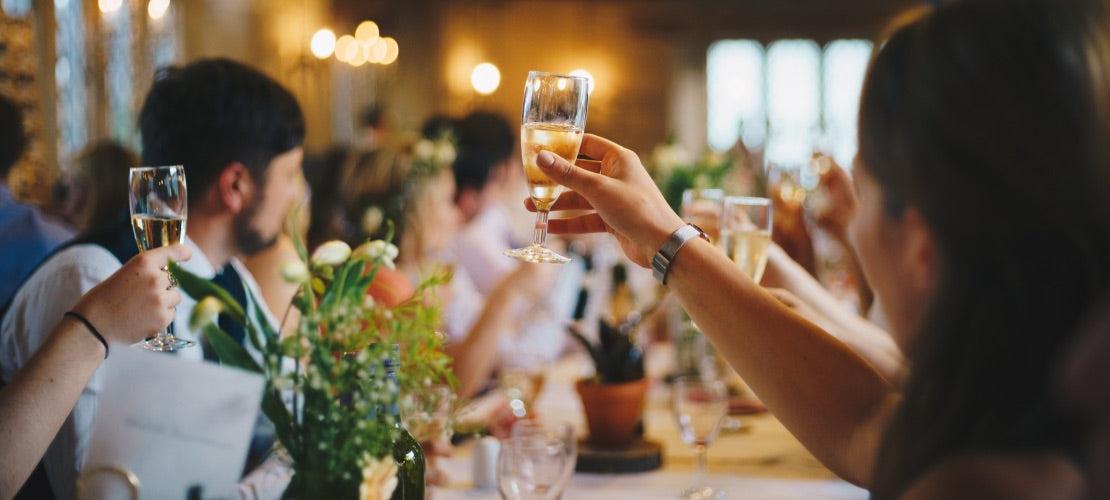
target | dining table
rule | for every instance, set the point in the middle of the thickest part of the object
(754, 457)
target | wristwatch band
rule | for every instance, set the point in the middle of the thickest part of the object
(661, 262)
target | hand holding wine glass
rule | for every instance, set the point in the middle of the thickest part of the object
(158, 204)
(553, 119)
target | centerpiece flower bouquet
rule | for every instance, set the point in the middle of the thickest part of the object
(333, 384)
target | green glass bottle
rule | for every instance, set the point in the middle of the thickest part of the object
(407, 453)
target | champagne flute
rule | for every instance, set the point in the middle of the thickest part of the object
(699, 407)
(702, 207)
(746, 233)
(553, 119)
(158, 214)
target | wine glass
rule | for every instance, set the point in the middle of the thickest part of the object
(521, 379)
(553, 119)
(427, 414)
(532, 466)
(158, 214)
(699, 407)
(702, 207)
(746, 232)
(554, 432)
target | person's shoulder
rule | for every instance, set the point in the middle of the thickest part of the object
(994, 475)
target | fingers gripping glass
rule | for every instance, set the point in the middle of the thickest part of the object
(158, 213)
(554, 118)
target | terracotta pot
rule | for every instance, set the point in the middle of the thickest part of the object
(612, 410)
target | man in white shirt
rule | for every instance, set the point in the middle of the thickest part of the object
(239, 135)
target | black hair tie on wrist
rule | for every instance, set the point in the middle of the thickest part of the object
(92, 329)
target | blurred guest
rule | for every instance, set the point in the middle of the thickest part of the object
(95, 191)
(26, 235)
(239, 133)
(132, 304)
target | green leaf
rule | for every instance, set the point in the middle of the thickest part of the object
(229, 351)
(198, 288)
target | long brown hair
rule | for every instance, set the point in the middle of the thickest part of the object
(989, 117)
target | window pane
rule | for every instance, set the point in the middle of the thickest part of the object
(845, 65)
(793, 100)
(69, 76)
(734, 74)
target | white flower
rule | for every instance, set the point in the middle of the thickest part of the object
(332, 253)
(667, 157)
(445, 153)
(424, 149)
(368, 302)
(372, 219)
(205, 312)
(377, 250)
(294, 271)
(379, 478)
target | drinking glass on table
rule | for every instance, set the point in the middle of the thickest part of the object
(521, 379)
(702, 207)
(746, 233)
(553, 119)
(699, 407)
(158, 214)
(553, 432)
(533, 465)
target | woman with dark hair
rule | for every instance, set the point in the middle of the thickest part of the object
(982, 227)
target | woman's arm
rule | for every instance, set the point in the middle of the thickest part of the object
(134, 303)
(826, 394)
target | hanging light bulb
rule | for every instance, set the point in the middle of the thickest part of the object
(485, 78)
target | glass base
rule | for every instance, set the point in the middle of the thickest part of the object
(164, 343)
(702, 493)
(536, 253)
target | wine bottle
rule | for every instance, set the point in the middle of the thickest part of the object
(407, 453)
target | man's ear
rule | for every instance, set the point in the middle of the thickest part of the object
(234, 187)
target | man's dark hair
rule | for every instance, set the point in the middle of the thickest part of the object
(13, 139)
(484, 140)
(213, 112)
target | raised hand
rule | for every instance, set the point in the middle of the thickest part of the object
(619, 194)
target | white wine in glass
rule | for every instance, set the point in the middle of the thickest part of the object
(553, 119)
(746, 233)
(159, 211)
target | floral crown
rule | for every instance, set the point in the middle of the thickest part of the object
(428, 158)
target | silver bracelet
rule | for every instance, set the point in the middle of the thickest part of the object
(661, 262)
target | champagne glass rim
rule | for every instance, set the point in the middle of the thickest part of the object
(141, 168)
(535, 73)
(747, 200)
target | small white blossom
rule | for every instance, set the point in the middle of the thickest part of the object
(424, 149)
(377, 250)
(294, 271)
(379, 478)
(205, 312)
(445, 153)
(668, 157)
(332, 253)
(372, 219)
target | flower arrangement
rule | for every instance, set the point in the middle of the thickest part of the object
(330, 389)
(676, 169)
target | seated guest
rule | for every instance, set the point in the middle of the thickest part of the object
(982, 227)
(93, 192)
(238, 134)
(132, 304)
(26, 235)
(417, 194)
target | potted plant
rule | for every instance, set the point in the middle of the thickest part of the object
(613, 398)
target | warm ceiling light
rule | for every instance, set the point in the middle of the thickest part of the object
(589, 79)
(361, 54)
(345, 48)
(323, 43)
(485, 78)
(391, 50)
(367, 31)
(107, 6)
(157, 8)
(376, 51)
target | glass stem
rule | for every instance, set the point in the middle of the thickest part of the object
(702, 464)
(540, 236)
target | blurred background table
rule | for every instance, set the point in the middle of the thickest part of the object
(760, 460)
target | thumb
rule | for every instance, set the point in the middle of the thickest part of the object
(565, 172)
